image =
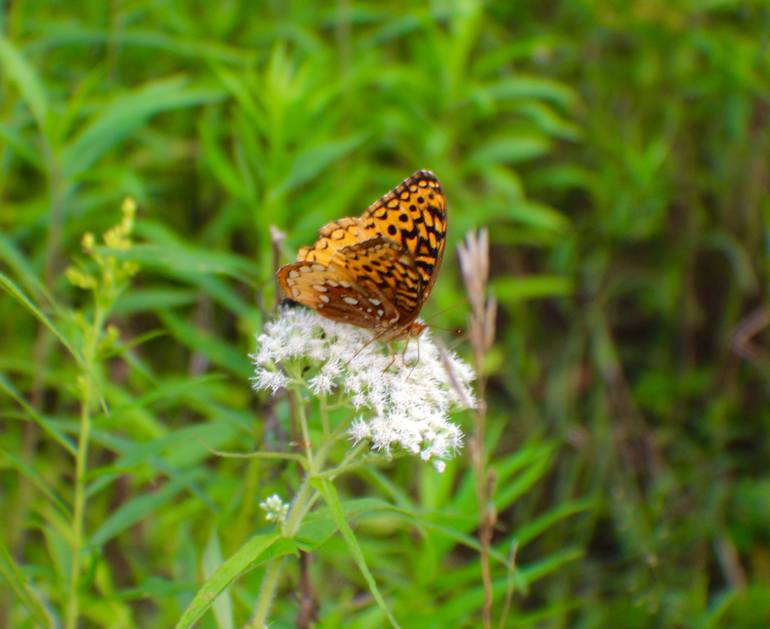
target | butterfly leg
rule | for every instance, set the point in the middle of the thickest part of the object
(392, 358)
(417, 360)
(403, 352)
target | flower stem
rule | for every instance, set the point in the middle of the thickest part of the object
(81, 465)
(324, 406)
(302, 503)
(298, 413)
(266, 592)
(81, 469)
(348, 463)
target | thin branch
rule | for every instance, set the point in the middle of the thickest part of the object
(474, 265)
(308, 599)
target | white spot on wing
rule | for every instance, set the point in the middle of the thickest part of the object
(324, 298)
(350, 300)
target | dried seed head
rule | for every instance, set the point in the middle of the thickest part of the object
(474, 264)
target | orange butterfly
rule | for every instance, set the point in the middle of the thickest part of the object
(376, 271)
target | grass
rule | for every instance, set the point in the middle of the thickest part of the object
(618, 155)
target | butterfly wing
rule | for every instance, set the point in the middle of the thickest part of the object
(333, 237)
(334, 293)
(375, 271)
(383, 269)
(413, 215)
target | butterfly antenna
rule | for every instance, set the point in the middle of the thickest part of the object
(463, 300)
(461, 337)
(458, 331)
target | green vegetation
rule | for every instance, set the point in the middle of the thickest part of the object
(618, 153)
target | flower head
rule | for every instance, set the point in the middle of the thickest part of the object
(275, 509)
(401, 403)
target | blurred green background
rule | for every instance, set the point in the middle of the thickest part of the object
(619, 153)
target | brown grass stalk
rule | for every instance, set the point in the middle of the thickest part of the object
(474, 265)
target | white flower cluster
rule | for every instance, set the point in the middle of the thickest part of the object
(402, 403)
(275, 509)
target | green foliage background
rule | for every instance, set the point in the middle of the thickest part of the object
(619, 153)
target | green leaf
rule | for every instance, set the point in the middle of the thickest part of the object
(139, 508)
(536, 526)
(320, 525)
(329, 493)
(310, 163)
(535, 214)
(22, 146)
(10, 286)
(524, 87)
(249, 556)
(511, 290)
(212, 560)
(48, 426)
(153, 299)
(156, 588)
(23, 590)
(124, 115)
(34, 477)
(507, 150)
(186, 259)
(512, 489)
(217, 351)
(550, 564)
(20, 71)
(22, 268)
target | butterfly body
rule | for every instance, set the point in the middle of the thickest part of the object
(376, 271)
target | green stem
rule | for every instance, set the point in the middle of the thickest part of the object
(81, 469)
(324, 406)
(302, 502)
(298, 412)
(298, 510)
(346, 465)
(266, 592)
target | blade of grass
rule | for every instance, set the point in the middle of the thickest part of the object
(329, 493)
(139, 508)
(23, 589)
(11, 288)
(249, 556)
(20, 71)
(223, 605)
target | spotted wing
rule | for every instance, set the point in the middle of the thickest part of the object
(413, 215)
(333, 292)
(383, 269)
(378, 269)
(331, 238)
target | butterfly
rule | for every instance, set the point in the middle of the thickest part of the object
(376, 271)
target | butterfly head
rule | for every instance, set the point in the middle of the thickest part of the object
(414, 329)
(410, 331)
